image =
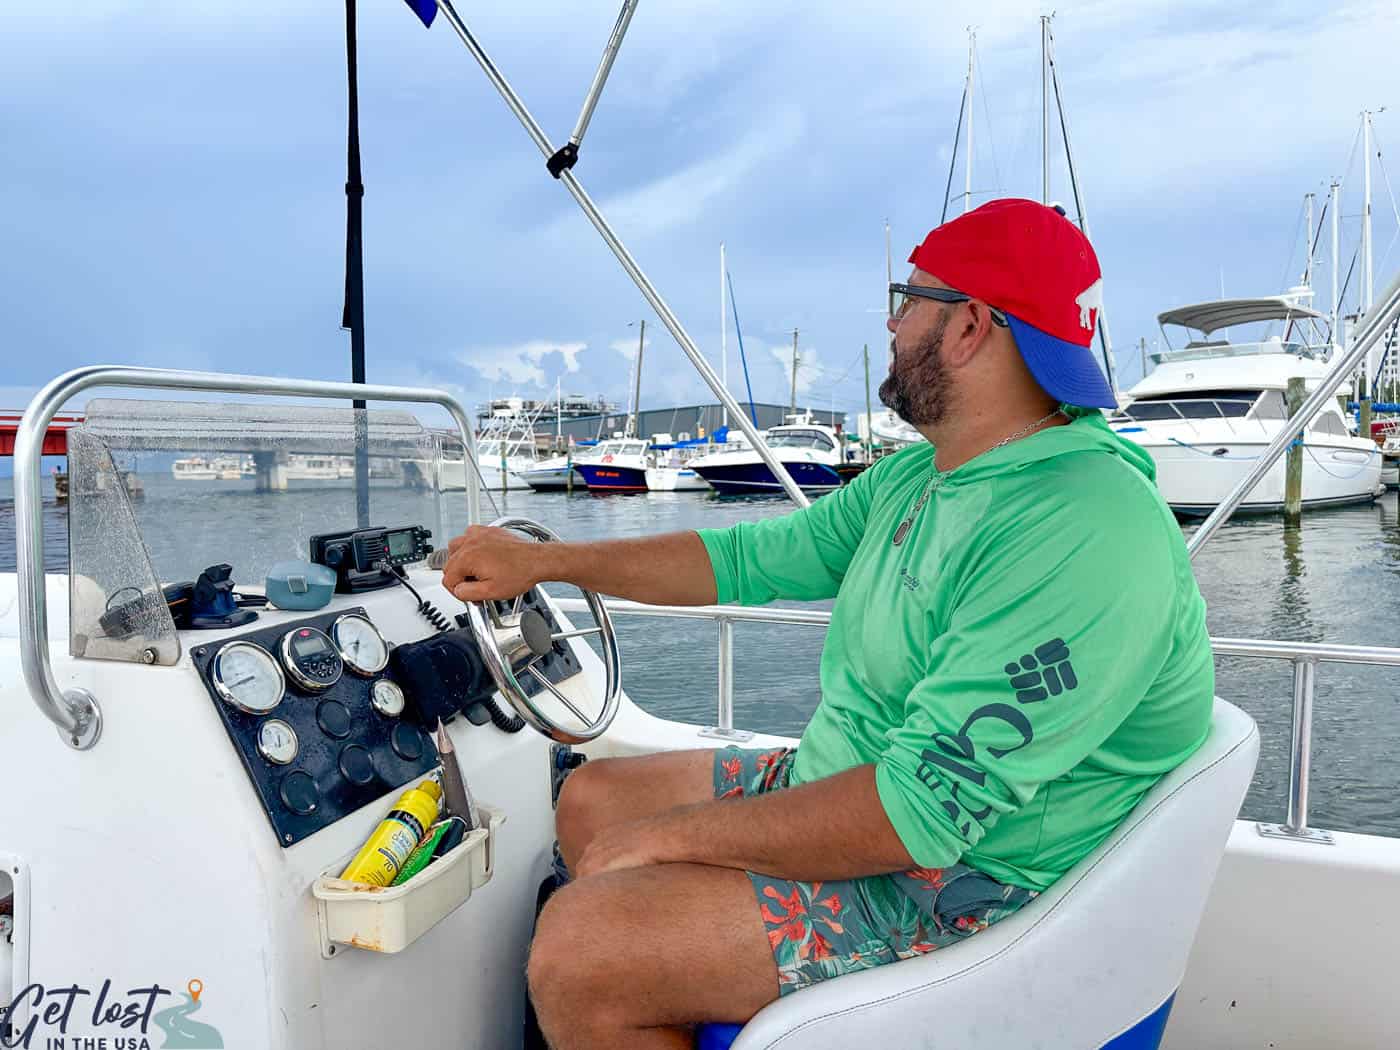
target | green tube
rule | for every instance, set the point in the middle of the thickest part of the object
(418, 859)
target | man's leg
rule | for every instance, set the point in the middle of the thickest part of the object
(608, 791)
(627, 959)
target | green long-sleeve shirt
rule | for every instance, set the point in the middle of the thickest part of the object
(1020, 668)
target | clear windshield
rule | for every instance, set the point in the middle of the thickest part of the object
(801, 439)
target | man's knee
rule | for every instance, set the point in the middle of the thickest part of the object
(583, 799)
(559, 972)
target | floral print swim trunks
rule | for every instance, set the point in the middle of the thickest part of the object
(825, 929)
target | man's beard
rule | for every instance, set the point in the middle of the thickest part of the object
(918, 386)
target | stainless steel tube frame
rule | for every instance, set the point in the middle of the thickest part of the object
(1305, 656)
(590, 101)
(629, 264)
(76, 712)
(1377, 321)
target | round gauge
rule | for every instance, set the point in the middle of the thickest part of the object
(387, 698)
(277, 742)
(311, 659)
(247, 677)
(361, 645)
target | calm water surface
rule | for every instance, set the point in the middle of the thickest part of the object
(1335, 579)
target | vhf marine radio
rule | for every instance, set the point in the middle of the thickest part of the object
(359, 556)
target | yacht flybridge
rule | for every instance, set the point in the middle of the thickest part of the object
(1207, 411)
(169, 855)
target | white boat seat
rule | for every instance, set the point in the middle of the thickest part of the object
(1091, 963)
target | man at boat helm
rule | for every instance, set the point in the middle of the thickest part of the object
(1017, 653)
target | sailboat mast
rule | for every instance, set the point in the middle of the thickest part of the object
(723, 333)
(1044, 109)
(1312, 242)
(971, 73)
(1336, 206)
(635, 424)
(558, 412)
(1368, 282)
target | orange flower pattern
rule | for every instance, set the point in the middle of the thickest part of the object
(819, 930)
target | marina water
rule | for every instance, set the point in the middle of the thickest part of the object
(1334, 579)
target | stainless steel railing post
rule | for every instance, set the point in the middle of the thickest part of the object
(725, 715)
(1300, 754)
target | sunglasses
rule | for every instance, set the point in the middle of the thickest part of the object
(904, 296)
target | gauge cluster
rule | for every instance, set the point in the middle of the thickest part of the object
(317, 724)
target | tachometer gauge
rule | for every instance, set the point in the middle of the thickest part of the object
(277, 742)
(247, 677)
(361, 645)
(387, 698)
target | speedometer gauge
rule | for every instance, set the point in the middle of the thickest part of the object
(361, 645)
(247, 677)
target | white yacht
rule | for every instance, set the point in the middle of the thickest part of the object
(616, 465)
(193, 468)
(1207, 411)
(809, 451)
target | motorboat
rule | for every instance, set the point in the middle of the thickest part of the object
(673, 471)
(617, 465)
(809, 451)
(1208, 410)
(185, 881)
(193, 468)
(552, 475)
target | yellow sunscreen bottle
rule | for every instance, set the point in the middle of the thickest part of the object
(380, 859)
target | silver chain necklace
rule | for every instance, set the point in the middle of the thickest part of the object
(935, 476)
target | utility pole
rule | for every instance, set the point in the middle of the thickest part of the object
(869, 415)
(634, 424)
(1044, 109)
(1142, 350)
(792, 408)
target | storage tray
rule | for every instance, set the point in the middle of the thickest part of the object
(388, 919)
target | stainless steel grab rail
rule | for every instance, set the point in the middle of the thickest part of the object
(76, 712)
(1377, 321)
(1305, 656)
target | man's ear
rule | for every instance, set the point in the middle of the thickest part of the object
(969, 331)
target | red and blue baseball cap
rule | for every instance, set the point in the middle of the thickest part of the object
(1034, 265)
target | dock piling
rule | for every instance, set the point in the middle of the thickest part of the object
(1295, 395)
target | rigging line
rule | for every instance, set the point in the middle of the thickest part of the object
(953, 160)
(991, 141)
(743, 359)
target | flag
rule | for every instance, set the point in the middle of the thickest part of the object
(426, 10)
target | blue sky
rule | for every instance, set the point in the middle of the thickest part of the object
(171, 183)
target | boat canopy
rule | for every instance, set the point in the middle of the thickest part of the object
(1222, 313)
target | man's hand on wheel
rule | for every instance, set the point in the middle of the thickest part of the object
(486, 563)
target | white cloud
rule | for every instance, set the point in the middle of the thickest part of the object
(810, 372)
(627, 347)
(521, 364)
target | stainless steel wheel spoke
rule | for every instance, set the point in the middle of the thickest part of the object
(575, 634)
(558, 695)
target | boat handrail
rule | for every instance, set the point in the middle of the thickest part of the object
(76, 712)
(1304, 656)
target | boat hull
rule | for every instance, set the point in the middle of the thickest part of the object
(738, 478)
(612, 477)
(553, 480)
(1194, 478)
(675, 479)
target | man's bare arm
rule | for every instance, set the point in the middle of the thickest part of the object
(671, 569)
(834, 828)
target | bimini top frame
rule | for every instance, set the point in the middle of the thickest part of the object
(560, 163)
(76, 712)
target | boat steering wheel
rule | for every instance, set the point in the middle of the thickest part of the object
(513, 641)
